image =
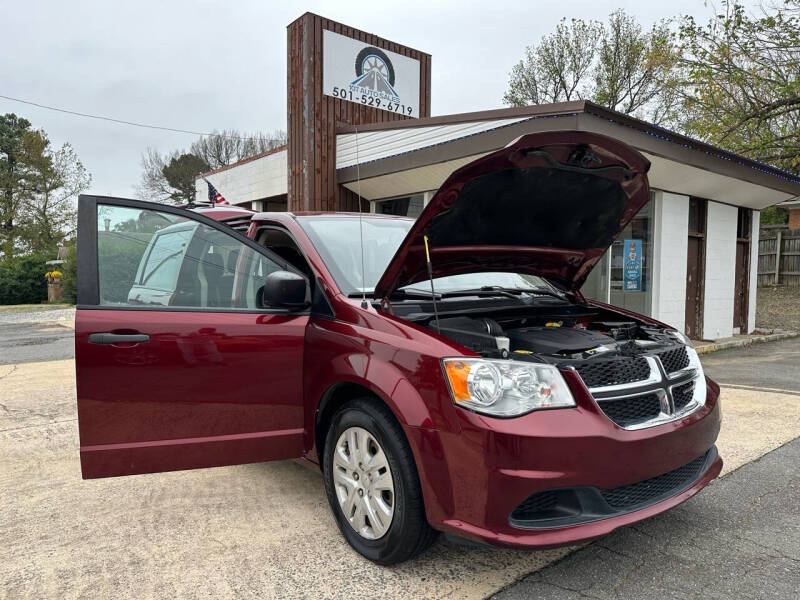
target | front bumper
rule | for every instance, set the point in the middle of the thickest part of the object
(473, 480)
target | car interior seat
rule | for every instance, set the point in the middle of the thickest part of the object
(213, 270)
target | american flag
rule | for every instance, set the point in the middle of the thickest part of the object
(214, 196)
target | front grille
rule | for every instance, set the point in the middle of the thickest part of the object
(682, 395)
(614, 371)
(674, 359)
(563, 507)
(632, 411)
(534, 505)
(651, 490)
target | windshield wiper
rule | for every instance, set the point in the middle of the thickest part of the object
(496, 290)
(401, 294)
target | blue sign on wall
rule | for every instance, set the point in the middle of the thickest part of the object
(632, 266)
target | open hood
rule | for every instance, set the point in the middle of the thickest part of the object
(548, 204)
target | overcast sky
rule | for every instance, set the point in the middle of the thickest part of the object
(212, 65)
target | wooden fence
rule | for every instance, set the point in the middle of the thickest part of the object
(779, 257)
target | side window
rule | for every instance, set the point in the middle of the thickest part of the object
(152, 258)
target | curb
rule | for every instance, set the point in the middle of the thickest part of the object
(743, 343)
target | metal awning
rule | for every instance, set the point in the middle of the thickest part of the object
(407, 157)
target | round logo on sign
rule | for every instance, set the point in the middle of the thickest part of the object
(374, 71)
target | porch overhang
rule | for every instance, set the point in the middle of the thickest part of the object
(415, 156)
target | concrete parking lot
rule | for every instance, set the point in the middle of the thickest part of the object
(265, 531)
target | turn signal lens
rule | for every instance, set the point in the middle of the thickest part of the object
(505, 388)
(457, 373)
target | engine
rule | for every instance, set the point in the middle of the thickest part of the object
(561, 341)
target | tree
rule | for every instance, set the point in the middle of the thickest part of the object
(556, 69)
(170, 177)
(635, 68)
(153, 186)
(12, 128)
(209, 152)
(49, 214)
(38, 187)
(774, 215)
(739, 81)
(619, 65)
(228, 146)
(180, 173)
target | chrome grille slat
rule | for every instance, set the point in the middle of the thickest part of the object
(658, 397)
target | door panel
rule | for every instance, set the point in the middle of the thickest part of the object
(741, 286)
(693, 287)
(695, 268)
(741, 297)
(212, 378)
(229, 376)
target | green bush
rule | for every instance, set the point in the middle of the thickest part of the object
(119, 254)
(22, 279)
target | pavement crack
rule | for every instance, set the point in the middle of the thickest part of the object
(644, 533)
(617, 552)
(770, 549)
(639, 564)
(564, 588)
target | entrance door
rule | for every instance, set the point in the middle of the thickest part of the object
(179, 365)
(695, 268)
(742, 281)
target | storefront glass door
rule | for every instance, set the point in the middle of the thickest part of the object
(626, 282)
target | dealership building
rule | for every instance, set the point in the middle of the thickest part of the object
(359, 124)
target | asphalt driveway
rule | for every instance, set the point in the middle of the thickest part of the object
(36, 335)
(767, 367)
(265, 531)
(739, 538)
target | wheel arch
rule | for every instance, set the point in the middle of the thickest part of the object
(405, 405)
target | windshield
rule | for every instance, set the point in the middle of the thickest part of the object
(338, 241)
(476, 281)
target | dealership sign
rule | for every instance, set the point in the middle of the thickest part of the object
(360, 73)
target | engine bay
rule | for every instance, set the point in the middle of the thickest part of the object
(563, 337)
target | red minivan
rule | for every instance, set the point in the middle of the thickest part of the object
(445, 374)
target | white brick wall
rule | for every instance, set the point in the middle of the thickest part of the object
(260, 178)
(751, 305)
(720, 271)
(671, 223)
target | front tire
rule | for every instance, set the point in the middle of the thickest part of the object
(372, 484)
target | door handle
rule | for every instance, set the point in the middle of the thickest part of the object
(118, 338)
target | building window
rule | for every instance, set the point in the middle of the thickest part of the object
(631, 253)
(632, 264)
(405, 206)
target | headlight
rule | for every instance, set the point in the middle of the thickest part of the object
(682, 338)
(700, 379)
(505, 388)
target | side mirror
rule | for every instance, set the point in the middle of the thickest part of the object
(284, 289)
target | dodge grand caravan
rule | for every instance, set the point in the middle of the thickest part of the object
(445, 374)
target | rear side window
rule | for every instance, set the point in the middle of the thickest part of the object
(157, 259)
